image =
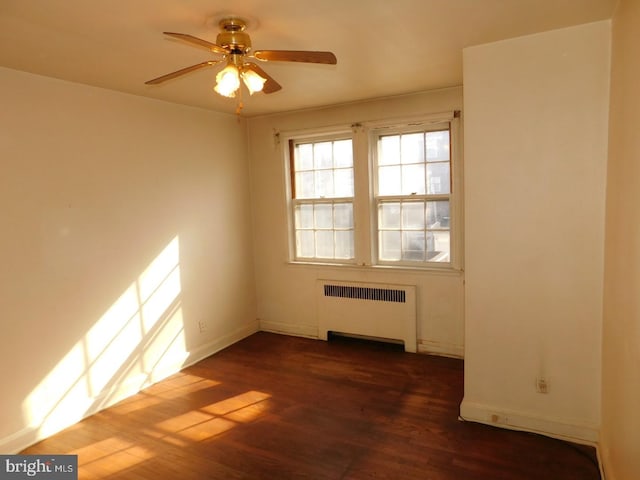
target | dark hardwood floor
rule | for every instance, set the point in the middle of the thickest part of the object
(277, 407)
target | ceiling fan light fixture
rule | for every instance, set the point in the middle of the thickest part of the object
(253, 81)
(234, 44)
(227, 81)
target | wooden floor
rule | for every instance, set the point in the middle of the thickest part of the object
(277, 407)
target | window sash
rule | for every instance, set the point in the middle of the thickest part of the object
(324, 230)
(409, 236)
(324, 168)
(403, 244)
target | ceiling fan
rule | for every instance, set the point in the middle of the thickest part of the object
(234, 44)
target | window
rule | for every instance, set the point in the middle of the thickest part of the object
(412, 197)
(381, 194)
(322, 187)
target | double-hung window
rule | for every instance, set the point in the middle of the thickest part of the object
(322, 187)
(412, 196)
(380, 194)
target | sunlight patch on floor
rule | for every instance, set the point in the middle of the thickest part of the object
(212, 420)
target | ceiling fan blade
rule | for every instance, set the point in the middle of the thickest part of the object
(198, 41)
(182, 71)
(270, 85)
(296, 56)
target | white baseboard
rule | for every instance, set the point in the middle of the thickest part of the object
(606, 469)
(308, 331)
(509, 419)
(21, 439)
(311, 331)
(440, 348)
(221, 343)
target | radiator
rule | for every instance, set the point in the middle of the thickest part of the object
(369, 309)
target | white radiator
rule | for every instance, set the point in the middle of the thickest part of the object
(368, 309)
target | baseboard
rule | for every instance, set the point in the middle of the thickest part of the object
(441, 349)
(308, 331)
(509, 419)
(311, 331)
(19, 440)
(221, 343)
(606, 469)
(22, 439)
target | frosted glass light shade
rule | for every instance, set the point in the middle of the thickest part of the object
(253, 81)
(227, 81)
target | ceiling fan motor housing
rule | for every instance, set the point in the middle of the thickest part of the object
(233, 36)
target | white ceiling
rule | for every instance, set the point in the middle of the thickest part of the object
(384, 47)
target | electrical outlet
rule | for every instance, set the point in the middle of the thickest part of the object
(202, 326)
(542, 385)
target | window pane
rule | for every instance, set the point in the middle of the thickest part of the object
(304, 216)
(322, 155)
(438, 146)
(389, 245)
(324, 244)
(439, 246)
(389, 151)
(413, 248)
(305, 185)
(342, 153)
(438, 178)
(303, 156)
(343, 182)
(389, 181)
(324, 183)
(438, 214)
(324, 216)
(413, 215)
(344, 244)
(389, 215)
(305, 243)
(413, 148)
(413, 180)
(343, 215)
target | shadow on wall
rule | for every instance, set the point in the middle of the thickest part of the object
(137, 341)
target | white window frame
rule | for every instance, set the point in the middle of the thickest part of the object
(364, 140)
(375, 133)
(289, 144)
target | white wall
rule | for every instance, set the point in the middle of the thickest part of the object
(286, 292)
(126, 223)
(535, 158)
(621, 338)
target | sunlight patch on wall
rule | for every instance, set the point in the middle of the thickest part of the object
(137, 341)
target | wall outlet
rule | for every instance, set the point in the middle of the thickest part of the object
(202, 326)
(542, 385)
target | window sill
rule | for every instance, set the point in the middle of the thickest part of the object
(439, 270)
